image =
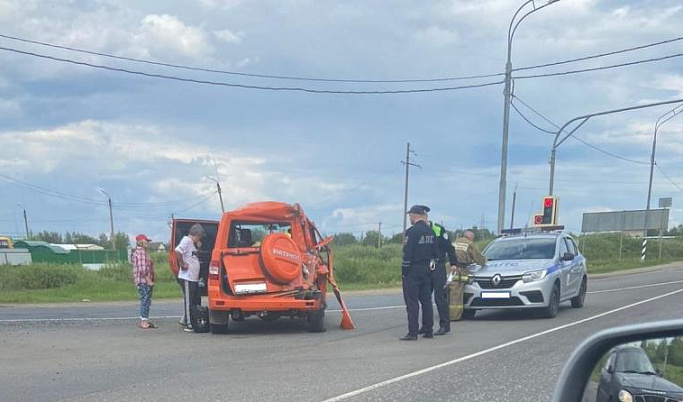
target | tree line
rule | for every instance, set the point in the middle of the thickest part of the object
(372, 237)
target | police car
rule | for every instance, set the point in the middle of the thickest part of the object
(528, 271)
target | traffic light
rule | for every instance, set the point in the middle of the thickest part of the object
(549, 216)
(538, 219)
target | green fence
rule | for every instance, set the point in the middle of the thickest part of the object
(79, 256)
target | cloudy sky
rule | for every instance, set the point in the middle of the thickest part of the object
(68, 130)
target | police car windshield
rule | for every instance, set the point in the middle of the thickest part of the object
(521, 249)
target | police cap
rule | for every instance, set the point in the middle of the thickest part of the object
(418, 209)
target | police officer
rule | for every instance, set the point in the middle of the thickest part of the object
(419, 257)
(438, 276)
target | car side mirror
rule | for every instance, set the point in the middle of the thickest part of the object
(659, 372)
(577, 382)
(610, 370)
(567, 257)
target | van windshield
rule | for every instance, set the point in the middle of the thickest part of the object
(250, 234)
(521, 249)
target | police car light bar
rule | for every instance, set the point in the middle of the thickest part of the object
(531, 230)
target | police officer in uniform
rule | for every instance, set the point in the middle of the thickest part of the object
(419, 257)
(438, 277)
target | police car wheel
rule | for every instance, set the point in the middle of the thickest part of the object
(579, 300)
(553, 303)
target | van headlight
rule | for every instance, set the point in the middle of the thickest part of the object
(625, 396)
(534, 276)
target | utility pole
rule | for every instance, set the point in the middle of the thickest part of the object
(514, 201)
(408, 164)
(28, 236)
(111, 220)
(219, 189)
(379, 238)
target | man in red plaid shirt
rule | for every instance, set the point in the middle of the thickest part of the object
(143, 274)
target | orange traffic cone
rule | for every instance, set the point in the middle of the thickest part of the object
(346, 322)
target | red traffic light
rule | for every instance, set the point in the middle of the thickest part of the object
(548, 202)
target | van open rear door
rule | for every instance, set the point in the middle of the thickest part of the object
(181, 228)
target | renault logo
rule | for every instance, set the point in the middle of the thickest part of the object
(496, 280)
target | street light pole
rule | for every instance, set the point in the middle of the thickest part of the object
(660, 122)
(507, 93)
(583, 119)
(28, 236)
(111, 220)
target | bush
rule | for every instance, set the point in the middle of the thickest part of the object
(119, 272)
(39, 276)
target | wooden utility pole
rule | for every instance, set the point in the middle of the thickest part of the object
(379, 237)
(408, 164)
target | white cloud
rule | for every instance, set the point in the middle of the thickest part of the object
(166, 33)
(437, 36)
(228, 36)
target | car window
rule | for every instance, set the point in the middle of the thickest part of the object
(573, 243)
(610, 362)
(521, 249)
(563, 247)
(634, 360)
(570, 245)
(249, 234)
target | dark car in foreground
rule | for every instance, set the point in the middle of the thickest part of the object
(628, 375)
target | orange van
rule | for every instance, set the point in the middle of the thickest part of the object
(266, 259)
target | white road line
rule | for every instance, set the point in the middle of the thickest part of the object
(635, 287)
(493, 349)
(329, 311)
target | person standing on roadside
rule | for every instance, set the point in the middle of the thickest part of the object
(466, 253)
(188, 273)
(143, 275)
(419, 255)
(438, 276)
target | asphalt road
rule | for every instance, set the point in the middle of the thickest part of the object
(88, 352)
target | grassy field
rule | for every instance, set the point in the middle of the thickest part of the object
(357, 267)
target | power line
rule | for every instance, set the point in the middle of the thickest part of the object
(596, 56)
(85, 200)
(236, 73)
(669, 178)
(244, 86)
(584, 142)
(609, 67)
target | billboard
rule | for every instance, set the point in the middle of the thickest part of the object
(624, 221)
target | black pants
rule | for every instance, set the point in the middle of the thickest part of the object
(417, 290)
(191, 300)
(438, 277)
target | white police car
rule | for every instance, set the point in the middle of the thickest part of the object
(528, 271)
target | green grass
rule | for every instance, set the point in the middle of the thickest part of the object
(357, 267)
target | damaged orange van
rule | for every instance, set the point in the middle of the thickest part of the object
(265, 259)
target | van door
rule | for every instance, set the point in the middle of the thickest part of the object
(181, 228)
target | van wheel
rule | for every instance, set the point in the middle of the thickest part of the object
(316, 321)
(220, 318)
(218, 328)
(580, 299)
(468, 314)
(553, 304)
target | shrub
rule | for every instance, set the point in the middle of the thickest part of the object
(39, 276)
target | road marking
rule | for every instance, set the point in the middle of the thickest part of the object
(493, 349)
(84, 319)
(635, 287)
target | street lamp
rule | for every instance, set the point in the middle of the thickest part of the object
(514, 24)
(220, 191)
(660, 122)
(583, 119)
(28, 237)
(111, 220)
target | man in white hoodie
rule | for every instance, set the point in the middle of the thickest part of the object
(188, 273)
